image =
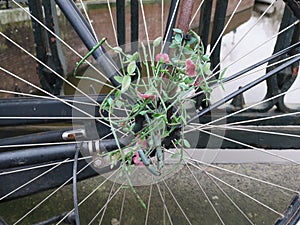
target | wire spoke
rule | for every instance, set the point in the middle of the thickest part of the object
(225, 27)
(50, 195)
(62, 41)
(231, 200)
(91, 193)
(177, 203)
(206, 196)
(164, 203)
(33, 179)
(104, 210)
(148, 204)
(242, 38)
(252, 147)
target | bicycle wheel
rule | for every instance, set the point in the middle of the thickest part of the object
(226, 167)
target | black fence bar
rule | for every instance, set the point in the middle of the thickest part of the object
(134, 14)
(204, 23)
(218, 26)
(172, 18)
(121, 26)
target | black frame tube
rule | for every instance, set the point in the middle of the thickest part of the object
(84, 32)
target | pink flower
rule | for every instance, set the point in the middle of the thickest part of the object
(136, 159)
(162, 57)
(198, 81)
(147, 96)
(190, 68)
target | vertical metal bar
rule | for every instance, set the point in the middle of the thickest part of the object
(218, 26)
(120, 13)
(58, 43)
(171, 23)
(49, 15)
(204, 23)
(35, 7)
(134, 14)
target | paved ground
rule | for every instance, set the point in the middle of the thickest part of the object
(187, 191)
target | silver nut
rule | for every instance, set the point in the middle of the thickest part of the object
(97, 162)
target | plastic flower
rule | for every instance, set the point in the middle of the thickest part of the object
(147, 96)
(136, 159)
(162, 57)
(198, 81)
(190, 68)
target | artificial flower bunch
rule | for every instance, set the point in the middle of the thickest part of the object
(149, 105)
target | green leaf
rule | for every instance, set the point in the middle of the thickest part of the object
(135, 108)
(109, 101)
(157, 41)
(188, 50)
(135, 56)
(221, 77)
(118, 79)
(119, 103)
(125, 83)
(178, 38)
(131, 68)
(176, 30)
(186, 143)
(205, 58)
(176, 155)
(173, 45)
(118, 92)
(192, 41)
(158, 115)
(118, 49)
(144, 112)
(206, 68)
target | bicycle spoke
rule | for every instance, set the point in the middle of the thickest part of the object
(89, 20)
(246, 108)
(48, 67)
(260, 45)
(245, 194)
(91, 193)
(177, 203)
(104, 210)
(197, 11)
(231, 200)
(41, 166)
(50, 195)
(32, 180)
(148, 204)
(164, 204)
(225, 27)
(170, 25)
(205, 194)
(146, 32)
(62, 41)
(60, 99)
(46, 97)
(229, 127)
(122, 206)
(245, 35)
(252, 147)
